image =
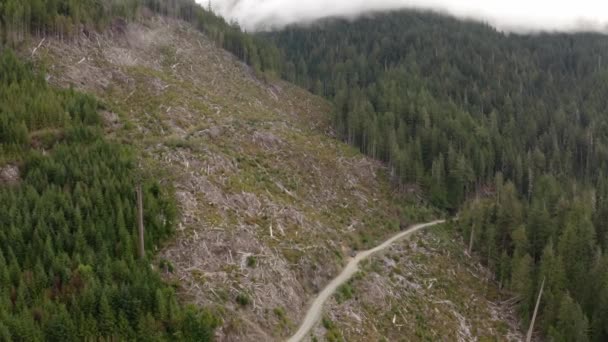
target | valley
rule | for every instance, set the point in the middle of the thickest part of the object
(167, 176)
(266, 194)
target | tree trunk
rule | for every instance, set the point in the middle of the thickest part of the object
(531, 329)
(471, 239)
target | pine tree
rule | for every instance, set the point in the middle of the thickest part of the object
(521, 283)
(105, 314)
(552, 270)
(572, 325)
(577, 249)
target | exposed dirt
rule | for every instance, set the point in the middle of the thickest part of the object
(271, 205)
(9, 174)
(315, 312)
(427, 289)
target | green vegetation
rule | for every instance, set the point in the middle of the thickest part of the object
(69, 269)
(449, 104)
(459, 111)
(428, 289)
(344, 293)
(252, 261)
(556, 236)
(332, 334)
(243, 299)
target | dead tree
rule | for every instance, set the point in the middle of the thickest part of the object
(531, 329)
(471, 239)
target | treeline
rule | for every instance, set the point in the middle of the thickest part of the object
(559, 236)
(66, 19)
(460, 111)
(69, 267)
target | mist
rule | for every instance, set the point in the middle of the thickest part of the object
(505, 15)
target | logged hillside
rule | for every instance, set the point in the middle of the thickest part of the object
(509, 130)
(270, 204)
(21, 20)
(426, 290)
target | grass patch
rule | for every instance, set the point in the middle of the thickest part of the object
(243, 299)
(333, 334)
(252, 261)
(281, 315)
(344, 293)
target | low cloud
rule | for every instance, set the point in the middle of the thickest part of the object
(506, 15)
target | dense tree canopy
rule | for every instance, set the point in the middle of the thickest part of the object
(515, 126)
(449, 104)
(69, 269)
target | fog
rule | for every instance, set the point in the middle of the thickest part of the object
(506, 15)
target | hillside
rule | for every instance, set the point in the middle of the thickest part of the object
(426, 289)
(270, 204)
(70, 266)
(508, 130)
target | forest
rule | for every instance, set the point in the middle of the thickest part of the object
(69, 263)
(69, 266)
(507, 131)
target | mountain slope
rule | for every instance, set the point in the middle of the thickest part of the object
(70, 266)
(427, 289)
(449, 104)
(508, 130)
(271, 205)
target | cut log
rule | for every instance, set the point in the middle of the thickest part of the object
(531, 329)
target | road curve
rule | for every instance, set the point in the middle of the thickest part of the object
(316, 309)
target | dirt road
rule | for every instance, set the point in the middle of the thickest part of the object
(316, 309)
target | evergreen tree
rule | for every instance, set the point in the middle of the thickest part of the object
(67, 269)
(572, 324)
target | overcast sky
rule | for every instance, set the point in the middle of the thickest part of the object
(527, 15)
